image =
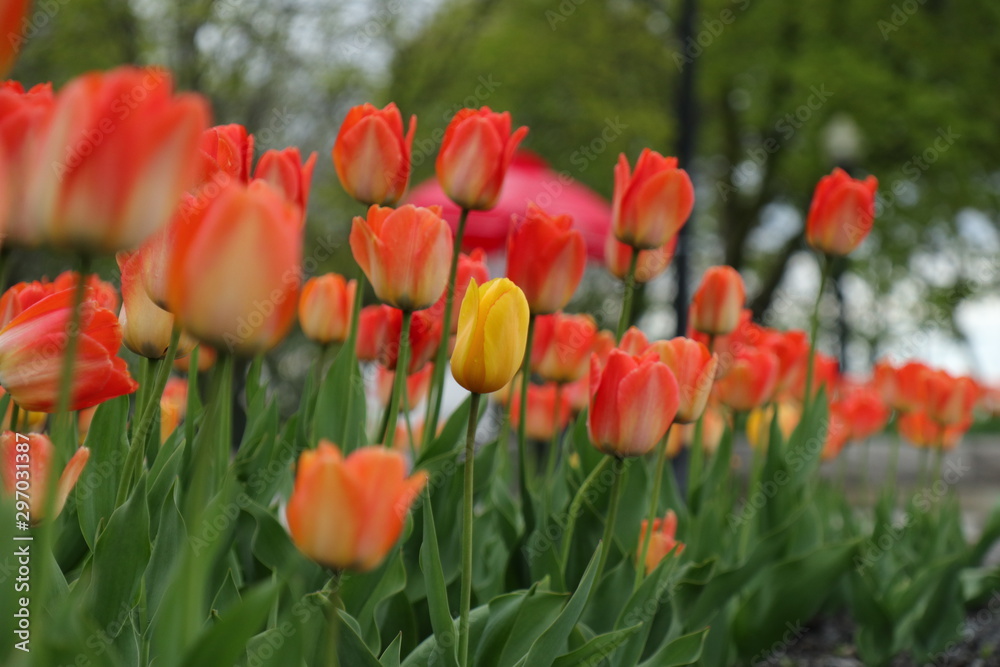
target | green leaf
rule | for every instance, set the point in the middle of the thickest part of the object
(641, 609)
(685, 650)
(390, 656)
(437, 590)
(97, 487)
(539, 609)
(224, 642)
(503, 611)
(340, 405)
(366, 593)
(601, 645)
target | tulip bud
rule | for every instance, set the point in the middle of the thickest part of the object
(750, 380)
(694, 368)
(173, 406)
(633, 401)
(546, 258)
(949, 399)
(325, 308)
(146, 328)
(475, 153)
(661, 542)
(634, 342)
(226, 155)
(371, 155)
(562, 346)
(405, 252)
(652, 204)
(36, 451)
(215, 293)
(492, 336)
(285, 171)
(348, 513)
(718, 302)
(24, 121)
(544, 417)
(842, 213)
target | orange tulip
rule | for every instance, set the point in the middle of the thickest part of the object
(661, 542)
(101, 291)
(405, 252)
(371, 154)
(650, 263)
(206, 359)
(24, 122)
(864, 411)
(212, 289)
(146, 328)
(417, 385)
(31, 355)
(542, 421)
(750, 380)
(12, 16)
(652, 204)
(949, 399)
(562, 346)
(633, 401)
(838, 433)
(475, 153)
(634, 341)
(718, 303)
(25, 464)
(173, 406)
(120, 151)
(826, 370)
(842, 213)
(325, 308)
(378, 337)
(226, 155)
(285, 171)
(694, 368)
(347, 513)
(761, 418)
(546, 258)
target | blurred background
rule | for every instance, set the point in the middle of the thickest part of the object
(760, 98)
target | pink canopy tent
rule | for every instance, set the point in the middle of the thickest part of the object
(529, 179)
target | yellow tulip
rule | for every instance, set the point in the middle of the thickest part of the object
(492, 335)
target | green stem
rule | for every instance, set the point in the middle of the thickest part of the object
(626, 314)
(64, 426)
(553, 453)
(609, 524)
(436, 391)
(466, 602)
(654, 505)
(576, 508)
(807, 399)
(402, 364)
(355, 372)
(15, 413)
(332, 589)
(695, 465)
(522, 435)
(894, 467)
(192, 395)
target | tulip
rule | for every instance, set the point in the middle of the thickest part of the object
(694, 368)
(24, 122)
(378, 337)
(633, 401)
(33, 453)
(469, 266)
(226, 155)
(662, 541)
(826, 370)
(206, 359)
(405, 252)
(325, 308)
(562, 346)
(649, 264)
(544, 417)
(417, 385)
(285, 171)
(841, 214)
(476, 151)
(652, 204)
(718, 303)
(173, 406)
(146, 328)
(492, 335)
(864, 410)
(214, 292)
(546, 258)
(12, 16)
(101, 291)
(949, 399)
(750, 380)
(760, 420)
(30, 421)
(634, 342)
(31, 355)
(371, 154)
(348, 513)
(123, 148)
(838, 433)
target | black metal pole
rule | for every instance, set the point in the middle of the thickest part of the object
(686, 117)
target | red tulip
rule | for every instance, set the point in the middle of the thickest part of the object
(949, 399)
(12, 18)
(842, 213)
(694, 368)
(661, 542)
(649, 264)
(325, 308)
(31, 355)
(826, 370)
(546, 258)
(285, 171)
(718, 303)
(371, 154)
(864, 411)
(405, 252)
(562, 346)
(475, 153)
(25, 467)
(24, 122)
(838, 432)
(226, 155)
(215, 292)
(633, 401)
(652, 204)
(750, 380)
(544, 419)
(378, 337)
(120, 151)
(347, 513)
(634, 341)
(101, 291)
(922, 431)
